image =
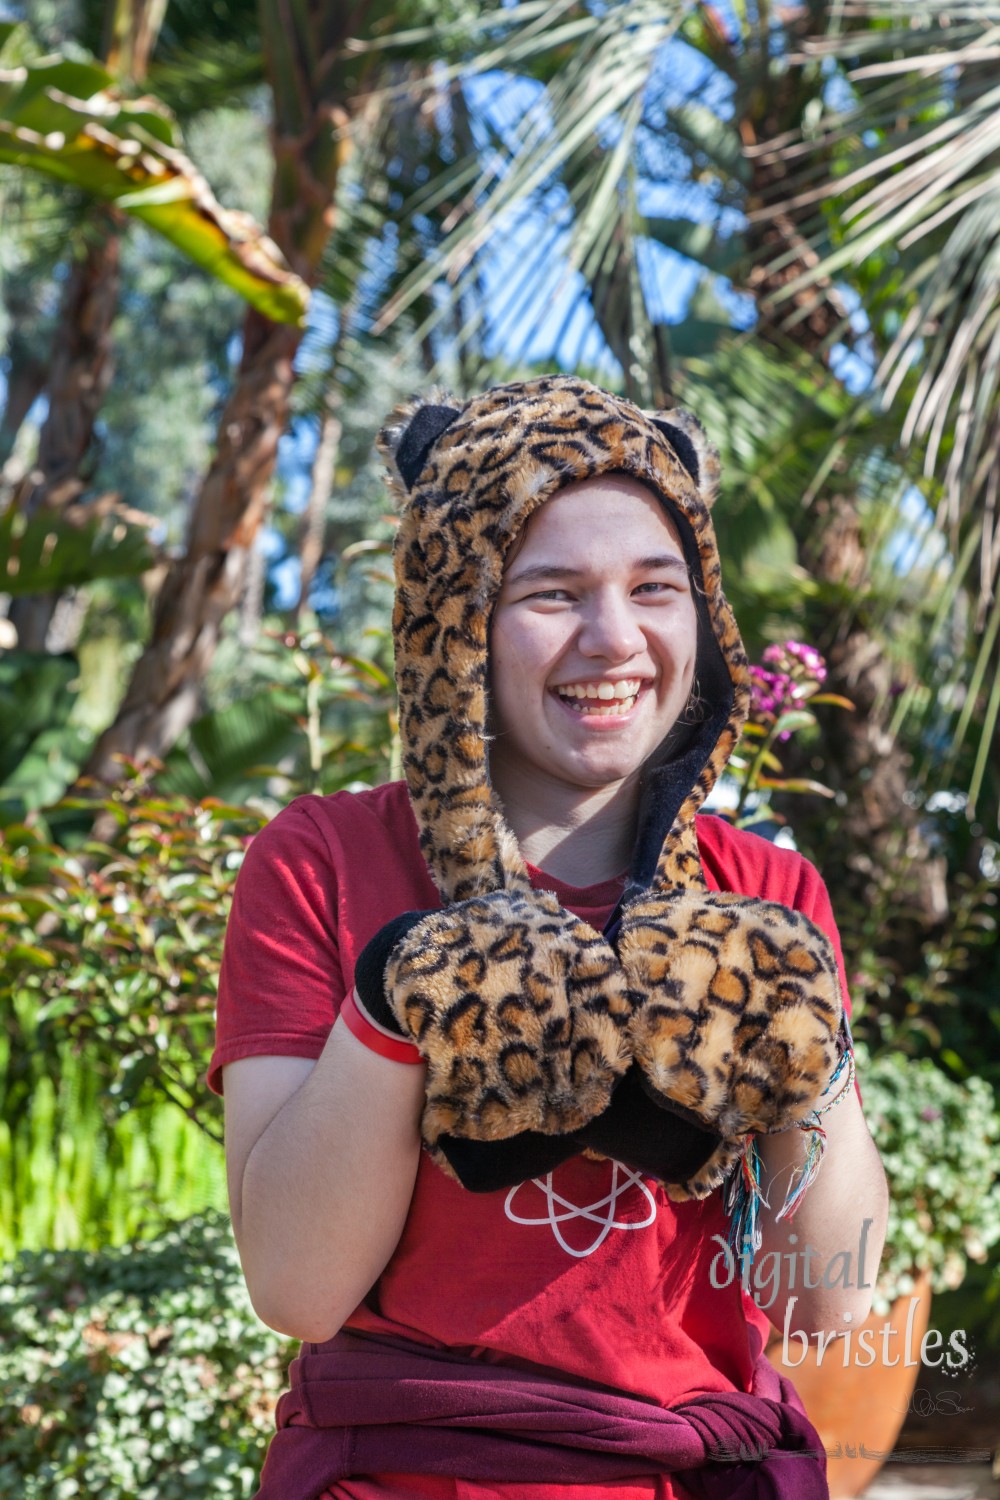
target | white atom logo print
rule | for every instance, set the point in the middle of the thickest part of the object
(559, 1210)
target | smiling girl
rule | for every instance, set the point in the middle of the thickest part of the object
(502, 1058)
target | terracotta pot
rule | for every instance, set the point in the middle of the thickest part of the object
(860, 1406)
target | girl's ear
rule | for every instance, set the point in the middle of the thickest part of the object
(411, 432)
(693, 447)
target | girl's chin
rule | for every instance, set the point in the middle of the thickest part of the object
(594, 773)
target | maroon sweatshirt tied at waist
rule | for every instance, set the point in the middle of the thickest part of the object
(368, 1404)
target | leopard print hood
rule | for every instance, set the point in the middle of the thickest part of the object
(467, 476)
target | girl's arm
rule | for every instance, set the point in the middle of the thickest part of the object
(321, 1159)
(839, 1223)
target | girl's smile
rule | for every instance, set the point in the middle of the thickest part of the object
(601, 700)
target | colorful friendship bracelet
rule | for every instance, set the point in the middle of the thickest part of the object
(848, 1058)
(744, 1194)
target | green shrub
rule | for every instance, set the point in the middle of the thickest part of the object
(938, 1142)
(109, 962)
(139, 1373)
(117, 947)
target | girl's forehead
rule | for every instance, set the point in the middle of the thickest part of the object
(591, 513)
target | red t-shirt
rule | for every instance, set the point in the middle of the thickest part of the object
(591, 1271)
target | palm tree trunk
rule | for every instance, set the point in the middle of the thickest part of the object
(80, 373)
(83, 354)
(874, 850)
(316, 90)
(767, 115)
(203, 586)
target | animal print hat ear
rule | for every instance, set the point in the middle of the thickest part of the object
(467, 477)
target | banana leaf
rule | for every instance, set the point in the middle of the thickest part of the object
(66, 118)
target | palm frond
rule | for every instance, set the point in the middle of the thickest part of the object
(920, 208)
(565, 156)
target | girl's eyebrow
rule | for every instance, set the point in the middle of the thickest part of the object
(657, 562)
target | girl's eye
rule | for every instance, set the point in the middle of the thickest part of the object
(657, 588)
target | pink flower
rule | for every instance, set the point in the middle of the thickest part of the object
(796, 660)
(771, 693)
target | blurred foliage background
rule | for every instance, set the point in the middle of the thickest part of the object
(230, 243)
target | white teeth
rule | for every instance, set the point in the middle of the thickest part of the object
(605, 692)
(606, 699)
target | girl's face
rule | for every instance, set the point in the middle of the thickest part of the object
(593, 639)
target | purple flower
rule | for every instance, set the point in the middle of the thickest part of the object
(771, 692)
(797, 662)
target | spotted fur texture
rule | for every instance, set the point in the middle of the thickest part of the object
(500, 457)
(521, 1011)
(737, 1006)
(525, 1015)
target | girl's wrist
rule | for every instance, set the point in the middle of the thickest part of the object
(375, 1037)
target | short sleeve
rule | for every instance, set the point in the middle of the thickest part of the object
(281, 983)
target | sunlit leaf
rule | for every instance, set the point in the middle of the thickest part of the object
(66, 118)
(795, 784)
(833, 698)
(796, 718)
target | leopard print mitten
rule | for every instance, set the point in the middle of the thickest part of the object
(520, 1010)
(736, 1009)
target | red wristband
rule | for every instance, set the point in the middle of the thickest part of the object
(375, 1037)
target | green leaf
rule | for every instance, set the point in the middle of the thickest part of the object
(907, 174)
(833, 698)
(370, 669)
(51, 553)
(65, 118)
(695, 337)
(34, 697)
(51, 761)
(704, 130)
(29, 953)
(230, 743)
(795, 718)
(796, 784)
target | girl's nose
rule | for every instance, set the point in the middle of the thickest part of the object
(610, 628)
